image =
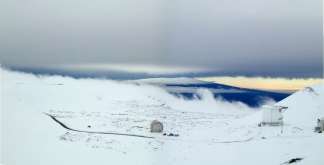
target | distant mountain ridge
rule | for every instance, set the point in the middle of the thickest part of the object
(187, 88)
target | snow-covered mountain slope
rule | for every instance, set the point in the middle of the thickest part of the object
(189, 88)
(210, 131)
(305, 106)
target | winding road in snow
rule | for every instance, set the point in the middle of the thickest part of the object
(94, 132)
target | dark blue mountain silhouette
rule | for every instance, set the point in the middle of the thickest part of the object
(251, 97)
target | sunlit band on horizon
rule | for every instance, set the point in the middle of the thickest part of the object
(265, 83)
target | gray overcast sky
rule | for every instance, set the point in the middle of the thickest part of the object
(257, 37)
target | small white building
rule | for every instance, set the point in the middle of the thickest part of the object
(320, 125)
(156, 126)
(272, 115)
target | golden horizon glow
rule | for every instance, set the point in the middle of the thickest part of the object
(265, 83)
